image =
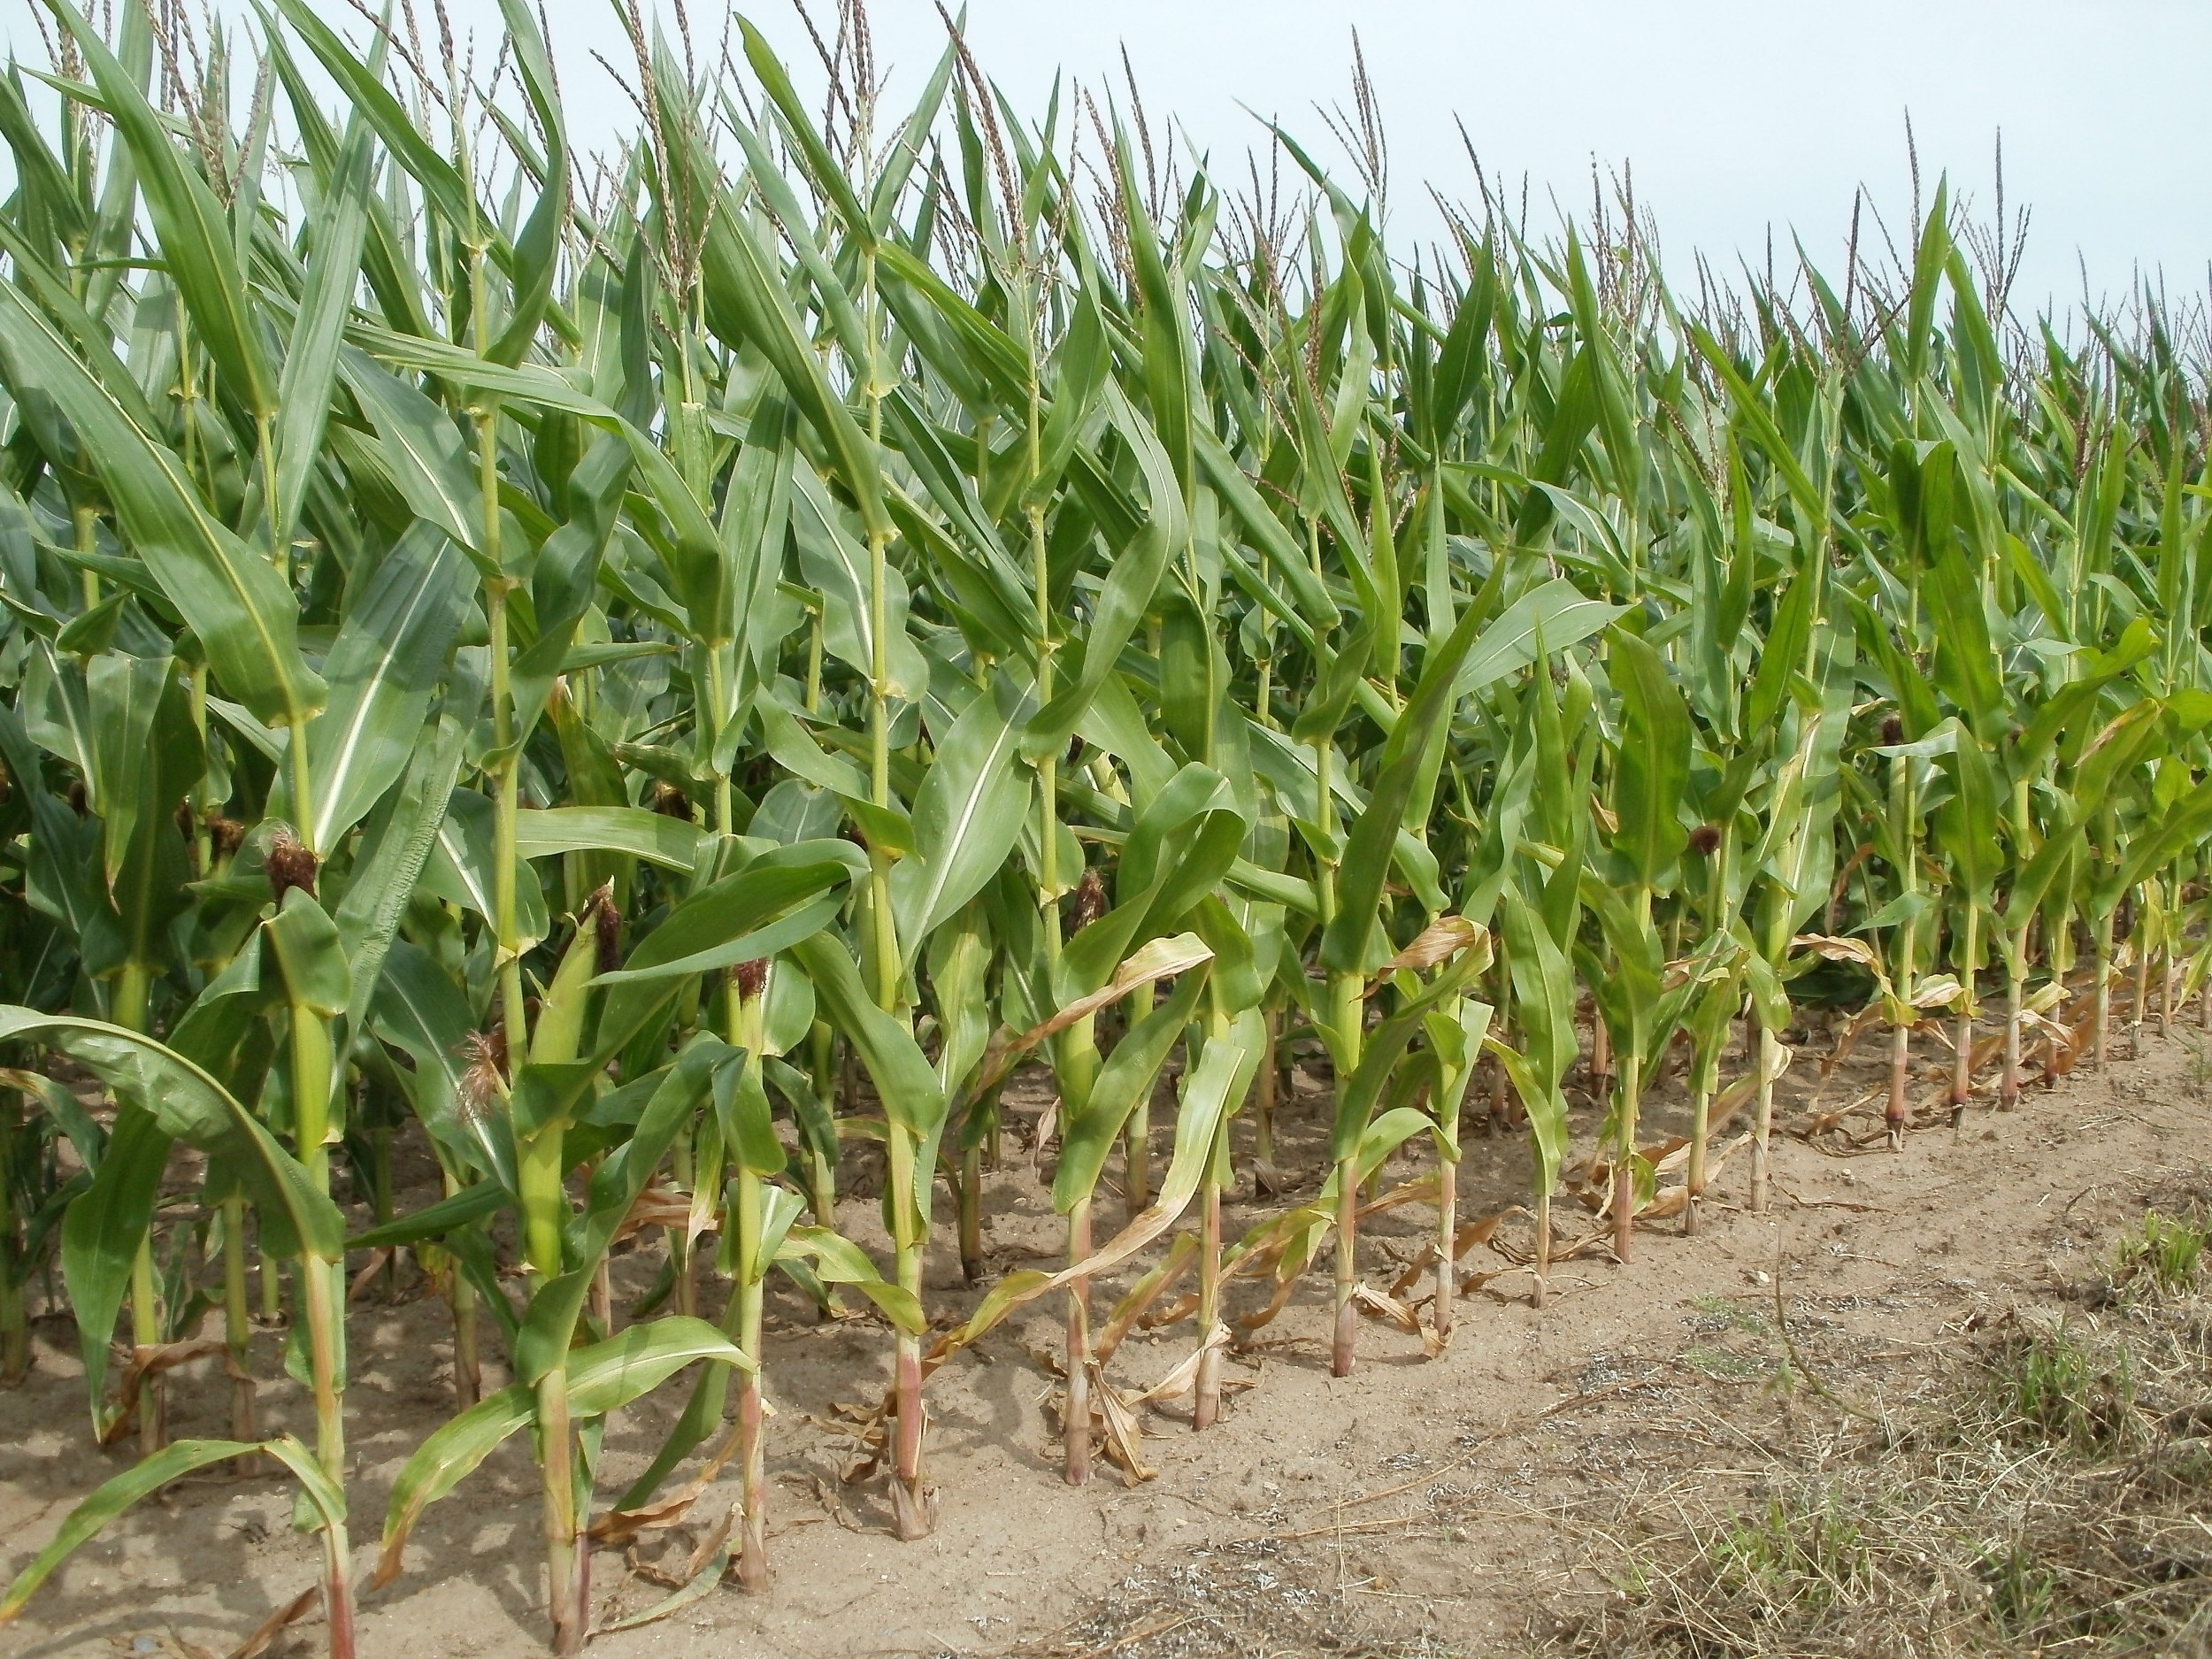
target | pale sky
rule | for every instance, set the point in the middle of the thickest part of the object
(1736, 115)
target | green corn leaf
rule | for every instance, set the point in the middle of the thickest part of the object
(607, 1376)
(144, 755)
(912, 1097)
(700, 932)
(840, 568)
(742, 273)
(783, 203)
(429, 462)
(967, 814)
(1547, 1110)
(837, 1260)
(1930, 257)
(465, 1209)
(822, 169)
(1164, 320)
(1782, 655)
(748, 1130)
(1555, 616)
(1966, 825)
(1130, 584)
(979, 355)
(1223, 1074)
(462, 870)
(1342, 670)
(189, 222)
(1655, 761)
(310, 955)
(397, 848)
(1286, 559)
(1383, 1048)
(100, 1238)
(446, 1457)
(2182, 828)
(365, 92)
(1087, 1134)
(705, 1067)
(86, 1521)
(654, 837)
(44, 180)
(1185, 840)
(387, 663)
(311, 360)
(236, 603)
(188, 1103)
(1367, 852)
(537, 249)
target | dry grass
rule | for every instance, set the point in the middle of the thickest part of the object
(1787, 1482)
(1257, 1600)
(2043, 1493)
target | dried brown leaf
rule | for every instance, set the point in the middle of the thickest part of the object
(620, 1526)
(270, 1628)
(1442, 939)
(1125, 1435)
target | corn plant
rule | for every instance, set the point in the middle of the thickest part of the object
(646, 675)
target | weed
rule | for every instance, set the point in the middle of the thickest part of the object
(1794, 1558)
(1727, 1366)
(1726, 1313)
(2024, 1591)
(2062, 1389)
(2165, 1256)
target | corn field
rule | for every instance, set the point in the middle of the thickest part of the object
(656, 676)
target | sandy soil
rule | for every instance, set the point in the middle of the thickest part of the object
(1455, 1505)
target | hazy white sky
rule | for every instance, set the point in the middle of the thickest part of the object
(1736, 115)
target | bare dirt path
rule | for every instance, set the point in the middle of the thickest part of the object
(1469, 1504)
